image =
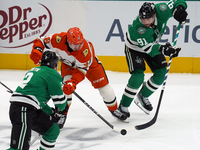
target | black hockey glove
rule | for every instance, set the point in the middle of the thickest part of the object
(57, 113)
(180, 14)
(54, 115)
(168, 50)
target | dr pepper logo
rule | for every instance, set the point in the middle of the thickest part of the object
(20, 26)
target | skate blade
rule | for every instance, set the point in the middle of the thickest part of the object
(125, 121)
(141, 107)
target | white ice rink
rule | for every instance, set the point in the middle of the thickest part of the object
(177, 127)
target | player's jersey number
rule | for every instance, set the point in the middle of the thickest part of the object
(142, 41)
(26, 79)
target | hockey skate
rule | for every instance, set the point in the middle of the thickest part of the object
(143, 103)
(124, 110)
(119, 115)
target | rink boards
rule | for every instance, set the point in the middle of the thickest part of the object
(104, 23)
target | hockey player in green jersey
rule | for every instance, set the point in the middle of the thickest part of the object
(29, 109)
(142, 44)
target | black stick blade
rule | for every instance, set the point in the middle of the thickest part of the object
(146, 125)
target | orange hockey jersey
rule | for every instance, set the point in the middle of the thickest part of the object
(80, 60)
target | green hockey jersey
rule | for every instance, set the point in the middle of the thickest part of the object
(39, 85)
(145, 40)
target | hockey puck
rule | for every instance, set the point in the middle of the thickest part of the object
(123, 132)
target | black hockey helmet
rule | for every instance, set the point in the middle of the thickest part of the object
(49, 58)
(147, 10)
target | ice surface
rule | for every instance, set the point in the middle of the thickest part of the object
(177, 127)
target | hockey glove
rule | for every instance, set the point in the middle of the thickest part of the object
(54, 115)
(168, 50)
(36, 55)
(69, 87)
(57, 113)
(180, 14)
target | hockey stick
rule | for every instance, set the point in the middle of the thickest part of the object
(151, 122)
(35, 139)
(11, 91)
(122, 131)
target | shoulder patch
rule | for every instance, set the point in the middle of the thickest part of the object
(141, 30)
(163, 7)
(84, 55)
(58, 39)
(85, 52)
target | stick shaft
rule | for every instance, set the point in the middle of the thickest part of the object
(35, 139)
(9, 90)
(170, 60)
(94, 111)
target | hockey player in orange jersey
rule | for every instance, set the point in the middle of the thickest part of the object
(78, 61)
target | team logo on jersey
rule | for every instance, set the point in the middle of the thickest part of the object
(141, 30)
(58, 39)
(85, 52)
(138, 60)
(163, 7)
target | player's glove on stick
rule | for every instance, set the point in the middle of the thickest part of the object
(36, 55)
(168, 50)
(180, 14)
(69, 87)
(57, 113)
(54, 115)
